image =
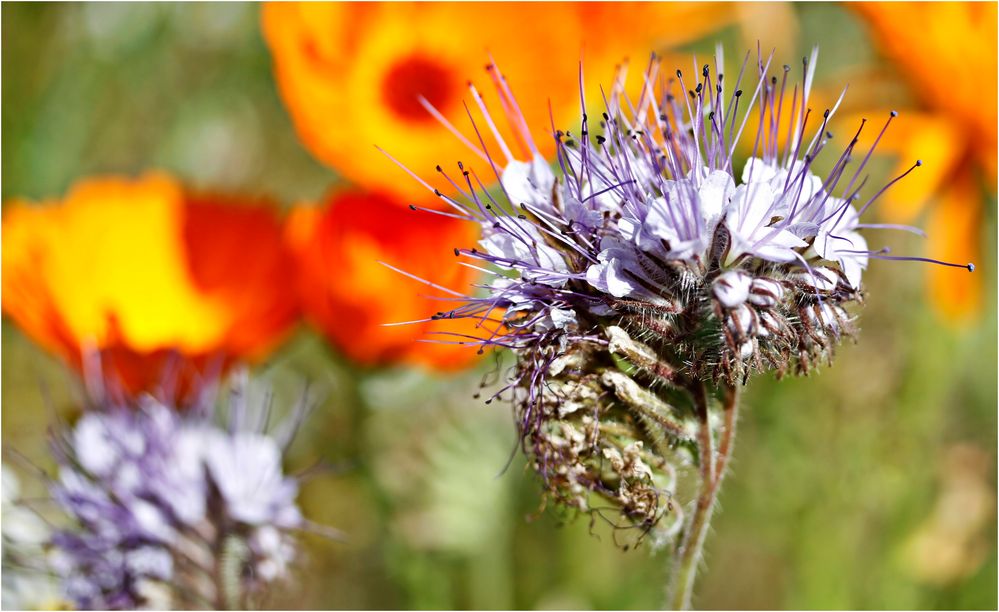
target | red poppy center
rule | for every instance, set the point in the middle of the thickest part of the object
(411, 78)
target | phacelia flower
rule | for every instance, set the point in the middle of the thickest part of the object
(650, 266)
(173, 508)
(156, 281)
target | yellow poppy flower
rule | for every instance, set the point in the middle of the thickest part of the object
(146, 276)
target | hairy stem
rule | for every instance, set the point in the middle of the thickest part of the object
(688, 554)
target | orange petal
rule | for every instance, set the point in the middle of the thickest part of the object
(948, 52)
(351, 74)
(350, 295)
(26, 298)
(932, 138)
(135, 270)
(236, 254)
(955, 225)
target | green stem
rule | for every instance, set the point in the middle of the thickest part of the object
(688, 554)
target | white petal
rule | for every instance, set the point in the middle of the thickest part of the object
(778, 246)
(757, 170)
(95, 449)
(528, 182)
(617, 282)
(713, 196)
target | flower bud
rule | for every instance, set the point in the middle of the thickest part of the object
(732, 288)
(821, 279)
(765, 292)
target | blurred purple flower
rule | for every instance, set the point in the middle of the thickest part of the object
(164, 502)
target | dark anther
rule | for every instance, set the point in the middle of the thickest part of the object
(825, 115)
(456, 252)
(412, 207)
(606, 117)
(698, 88)
(705, 71)
(971, 267)
(584, 117)
(787, 68)
(439, 169)
(522, 217)
(461, 166)
(679, 74)
(919, 162)
(601, 140)
(437, 192)
(894, 113)
(773, 80)
(738, 92)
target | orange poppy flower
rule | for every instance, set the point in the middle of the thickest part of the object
(351, 296)
(157, 283)
(351, 74)
(948, 53)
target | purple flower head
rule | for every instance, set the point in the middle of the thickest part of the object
(649, 243)
(158, 499)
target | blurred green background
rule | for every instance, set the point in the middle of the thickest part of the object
(870, 484)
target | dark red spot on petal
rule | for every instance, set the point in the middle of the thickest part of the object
(413, 77)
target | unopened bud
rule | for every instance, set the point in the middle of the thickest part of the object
(732, 288)
(765, 292)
